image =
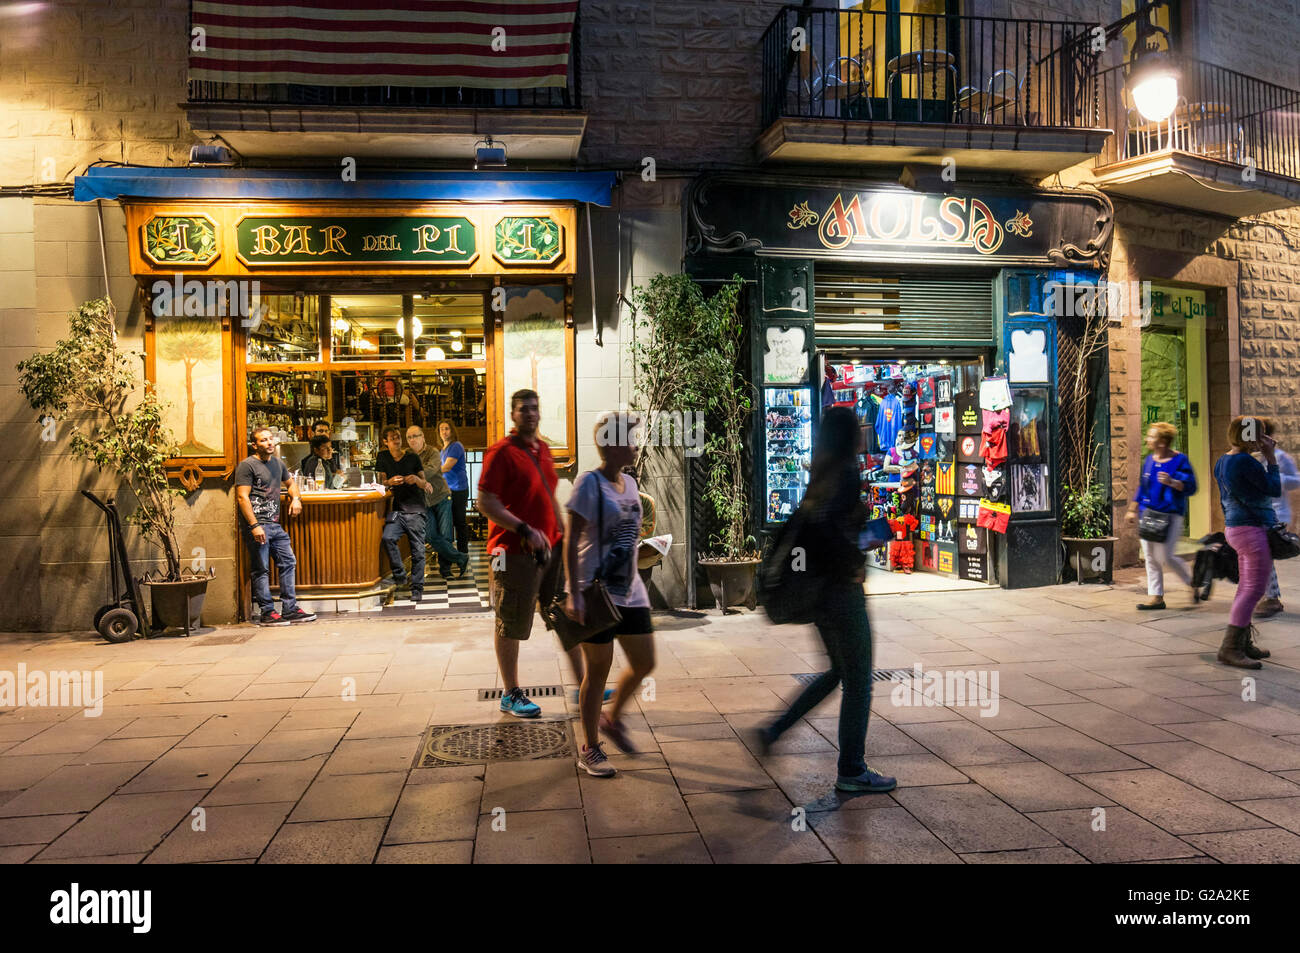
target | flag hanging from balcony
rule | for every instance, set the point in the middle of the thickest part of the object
(488, 44)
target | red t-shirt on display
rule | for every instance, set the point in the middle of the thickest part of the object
(510, 474)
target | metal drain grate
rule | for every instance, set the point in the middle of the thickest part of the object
(877, 675)
(477, 744)
(539, 691)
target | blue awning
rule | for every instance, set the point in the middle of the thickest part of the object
(114, 182)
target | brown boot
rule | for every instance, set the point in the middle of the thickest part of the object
(1267, 608)
(1231, 651)
(1250, 649)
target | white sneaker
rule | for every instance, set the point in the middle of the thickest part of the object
(595, 763)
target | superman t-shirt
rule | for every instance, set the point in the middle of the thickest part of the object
(889, 419)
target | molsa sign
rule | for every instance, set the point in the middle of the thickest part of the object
(883, 222)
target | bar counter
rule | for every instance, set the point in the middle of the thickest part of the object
(336, 540)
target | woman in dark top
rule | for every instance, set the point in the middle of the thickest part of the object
(835, 517)
(1247, 490)
(1167, 481)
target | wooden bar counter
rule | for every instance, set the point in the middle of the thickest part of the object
(336, 540)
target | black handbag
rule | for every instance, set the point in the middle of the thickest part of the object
(599, 613)
(789, 592)
(1283, 544)
(1153, 526)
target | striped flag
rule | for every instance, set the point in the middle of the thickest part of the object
(489, 44)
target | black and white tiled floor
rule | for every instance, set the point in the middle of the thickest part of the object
(457, 595)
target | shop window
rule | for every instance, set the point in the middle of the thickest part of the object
(283, 329)
(448, 327)
(536, 354)
(367, 328)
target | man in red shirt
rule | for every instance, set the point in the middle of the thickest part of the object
(516, 492)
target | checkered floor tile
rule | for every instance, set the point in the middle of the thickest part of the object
(457, 595)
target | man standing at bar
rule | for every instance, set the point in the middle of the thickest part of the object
(404, 476)
(319, 464)
(437, 501)
(516, 492)
(258, 480)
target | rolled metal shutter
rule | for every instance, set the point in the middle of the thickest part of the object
(882, 310)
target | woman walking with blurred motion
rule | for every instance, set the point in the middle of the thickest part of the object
(604, 532)
(1247, 490)
(1167, 481)
(835, 517)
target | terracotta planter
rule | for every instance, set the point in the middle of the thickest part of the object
(732, 582)
(177, 604)
(1090, 558)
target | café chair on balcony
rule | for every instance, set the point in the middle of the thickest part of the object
(1144, 137)
(998, 97)
(1217, 135)
(918, 63)
(836, 86)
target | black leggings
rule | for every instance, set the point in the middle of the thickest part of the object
(459, 499)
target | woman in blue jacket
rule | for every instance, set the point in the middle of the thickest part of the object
(1167, 481)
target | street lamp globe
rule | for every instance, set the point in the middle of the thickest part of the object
(1154, 85)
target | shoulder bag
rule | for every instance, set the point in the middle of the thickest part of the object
(1153, 526)
(1282, 543)
(789, 593)
(599, 611)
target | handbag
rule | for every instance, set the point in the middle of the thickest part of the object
(1282, 543)
(1153, 526)
(599, 611)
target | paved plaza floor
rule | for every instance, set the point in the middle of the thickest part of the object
(1116, 738)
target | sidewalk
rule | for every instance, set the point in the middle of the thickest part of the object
(1099, 707)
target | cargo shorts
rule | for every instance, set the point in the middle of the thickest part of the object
(521, 588)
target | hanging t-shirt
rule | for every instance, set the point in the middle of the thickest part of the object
(889, 420)
(621, 516)
(993, 448)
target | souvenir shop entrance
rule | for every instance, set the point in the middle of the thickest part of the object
(923, 470)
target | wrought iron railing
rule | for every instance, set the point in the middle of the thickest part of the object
(568, 96)
(1221, 114)
(929, 68)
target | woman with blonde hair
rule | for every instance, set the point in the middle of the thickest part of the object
(1247, 490)
(1167, 481)
(604, 533)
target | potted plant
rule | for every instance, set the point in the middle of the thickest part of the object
(688, 355)
(86, 380)
(1085, 500)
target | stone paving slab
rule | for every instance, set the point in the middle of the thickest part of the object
(1099, 709)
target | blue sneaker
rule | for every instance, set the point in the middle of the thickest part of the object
(868, 780)
(609, 693)
(516, 703)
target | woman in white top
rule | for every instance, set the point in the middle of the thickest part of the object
(605, 502)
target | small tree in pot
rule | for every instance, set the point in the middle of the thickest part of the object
(1085, 500)
(87, 381)
(688, 355)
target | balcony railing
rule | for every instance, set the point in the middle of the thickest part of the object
(1221, 114)
(928, 68)
(568, 96)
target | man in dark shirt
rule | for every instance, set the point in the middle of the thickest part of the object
(258, 479)
(404, 476)
(319, 465)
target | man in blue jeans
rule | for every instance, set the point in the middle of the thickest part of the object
(437, 502)
(258, 480)
(403, 474)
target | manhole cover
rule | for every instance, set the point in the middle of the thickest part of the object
(537, 691)
(877, 675)
(477, 744)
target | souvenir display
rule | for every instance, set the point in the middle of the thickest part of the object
(925, 470)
